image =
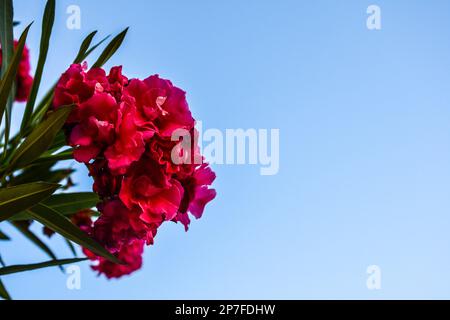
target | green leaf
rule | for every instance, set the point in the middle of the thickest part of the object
(32, 174)
(71, 247)
(65, 203)
(59, 141)
(94, 47)
(56, 176)
(28, 267)
(60, 224)
(47, 26)
(7, 44)
(84, 50)
(19, 198)
(34, 239)
(110, 49)
(84, 47)
(63, 155)
(40, 138)
(9, 77)
(43, 106)
(3, 293)
(50, 176)
(70, 203)
(6, 33)
(25, 216)
(3, 236)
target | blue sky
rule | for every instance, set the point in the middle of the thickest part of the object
(364, 125)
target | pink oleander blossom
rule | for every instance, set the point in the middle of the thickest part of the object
(121, 129)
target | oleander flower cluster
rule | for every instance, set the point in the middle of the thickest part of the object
(122, 129)
(24, 79)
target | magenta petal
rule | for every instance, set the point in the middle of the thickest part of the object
(79, 138)
(202, 197)
(85, 154)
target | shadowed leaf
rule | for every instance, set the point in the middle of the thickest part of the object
(3, 236)
(3, 293)
(19, 198)
(40, 138)
(60, 224)
(63, 155)
(7, 45)
(69, 203)
(9, 77)
(28, 267)
(47, 26)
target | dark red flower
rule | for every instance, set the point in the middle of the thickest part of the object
(149, 188)
(122, 130)
(129, 143)
(118, 226)
(160, 104)
(83, 220)
(196, 194)
(130, 255)
(106, 184)
(24, 80)
(77, 86)
(95, 131)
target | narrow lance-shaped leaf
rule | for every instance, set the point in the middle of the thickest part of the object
(25, 215)
(27, 233)
(60, 224)
(6, 33)
(71, 247)
(7, 44)
(40, 139)
(63, 155)
(8, 112)
(19, 198)
(3, 292)
(110, 49)
(47, 26)
(52, 176)
(88, 52)
(3, 236)
(84, 46)
(28, 267)
(67, 203)
(57, 176)
(59, 141)
(31, 174)
(9, 77)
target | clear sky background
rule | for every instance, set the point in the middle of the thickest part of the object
(364, 119)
